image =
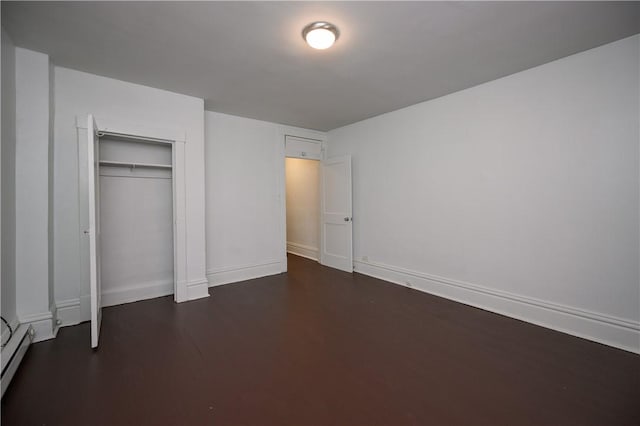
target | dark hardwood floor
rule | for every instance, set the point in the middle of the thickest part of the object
(317, 346)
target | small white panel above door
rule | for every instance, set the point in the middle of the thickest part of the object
(296, 147)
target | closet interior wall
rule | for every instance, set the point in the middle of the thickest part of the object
(136, 216)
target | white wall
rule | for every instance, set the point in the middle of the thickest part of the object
(34, 301)
(77, 94)
(520, 195)
(245, 197)
(303, 207)
(8, 187)
(243, 208)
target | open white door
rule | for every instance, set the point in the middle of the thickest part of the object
(93, 233)
(337, 224)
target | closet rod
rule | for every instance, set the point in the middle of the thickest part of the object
(101, 133)
(136, 177)
(134, 165)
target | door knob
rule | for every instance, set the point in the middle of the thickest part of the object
(347, 219)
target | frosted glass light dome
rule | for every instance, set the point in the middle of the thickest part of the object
(320, 35)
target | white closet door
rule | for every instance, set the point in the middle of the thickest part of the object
(93, 233)
(337, 225)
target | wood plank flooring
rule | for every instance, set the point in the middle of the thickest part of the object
(318, 346)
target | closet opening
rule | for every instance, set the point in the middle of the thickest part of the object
(302, 192)
(132, 218)
(135, 218)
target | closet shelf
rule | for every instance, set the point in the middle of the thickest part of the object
(134, 165)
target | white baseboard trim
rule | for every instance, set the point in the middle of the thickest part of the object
(234, 274)
(612, 331)
(75, 311)
(69, 312)
(43, 324)
(303, 250)
(198, 289)
(146, 291)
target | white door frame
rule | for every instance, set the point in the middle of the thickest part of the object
(177, 139)
(285, 131)
(93, 230)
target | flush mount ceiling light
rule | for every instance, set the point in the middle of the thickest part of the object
(320, 35)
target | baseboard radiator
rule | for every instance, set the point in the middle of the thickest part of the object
(13, 352)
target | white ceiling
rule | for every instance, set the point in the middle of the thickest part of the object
(248, 59)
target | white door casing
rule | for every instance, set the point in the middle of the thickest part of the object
(136, 131)
(287, 146)
(337, 221)
(93, 232)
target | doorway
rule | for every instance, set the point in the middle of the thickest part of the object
(302, 196)
(322, 198)
(302, 183)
